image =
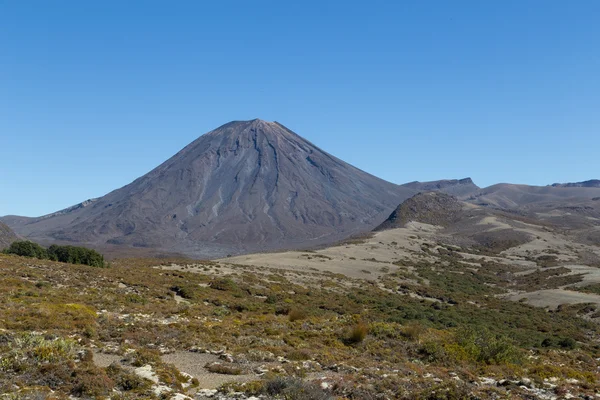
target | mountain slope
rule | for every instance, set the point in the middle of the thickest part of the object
(595, 183)
(455, 187)
(7, 236)
(248, 185)
(511, 196)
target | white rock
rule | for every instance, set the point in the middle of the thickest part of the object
(146, 373)
(179, 396)
(206, 392)
(161, 389)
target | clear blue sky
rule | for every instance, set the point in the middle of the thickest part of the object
(94, 94)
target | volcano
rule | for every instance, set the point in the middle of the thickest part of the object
(245, 186)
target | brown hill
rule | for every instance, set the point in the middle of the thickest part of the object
(246, 186)
(434, 208)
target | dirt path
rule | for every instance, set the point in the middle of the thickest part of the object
(193, 364)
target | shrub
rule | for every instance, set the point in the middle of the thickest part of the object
(92, 381)
(294, 389)
(224, 284)
(484, 346)
(125, 380)
(145, 356)
(66, 254)
(187, 292)
(357, 333)
(298, 355)
(218, 368)
(26, 248)
(75, 255)
(413, 331)
(296, 314)
(567, 343)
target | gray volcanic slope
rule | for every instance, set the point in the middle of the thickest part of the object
(595, 183)
(7, 236)
(246, 186)
(510, 196)
(455, 187)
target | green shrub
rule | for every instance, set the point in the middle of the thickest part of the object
(483, 346)
(567, 343)
(75, 255)
(126, 380)
(66, 254)
(224, 284)
(26, 248)
(185, 291)
(145, 356)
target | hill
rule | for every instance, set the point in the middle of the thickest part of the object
(433, 208)
(455, 187)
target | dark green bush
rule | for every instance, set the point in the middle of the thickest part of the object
(26, 248)
(66, 254)
(75, 255)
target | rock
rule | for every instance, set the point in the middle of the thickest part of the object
(146, 372)
(202, 393)
(179, 396)
(161, 389)
(261, 370)
(260, 355)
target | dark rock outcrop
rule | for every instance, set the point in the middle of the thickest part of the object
(434, 208)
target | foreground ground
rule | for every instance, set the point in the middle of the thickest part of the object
(404, 314)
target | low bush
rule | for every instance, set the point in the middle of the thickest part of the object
(218, 368)
(357, 333)
(294, 389)
(296, 314)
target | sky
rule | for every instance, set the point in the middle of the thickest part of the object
(94, 94)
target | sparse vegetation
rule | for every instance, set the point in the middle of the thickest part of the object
(452, 321)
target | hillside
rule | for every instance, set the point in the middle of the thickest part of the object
(246, 186)
(455, 187)
(513, 197)
(590, 183)
(7, 236)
